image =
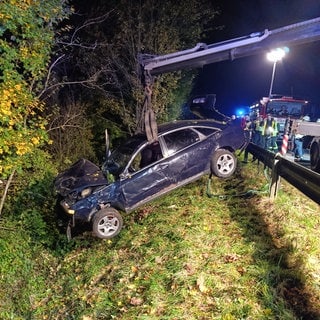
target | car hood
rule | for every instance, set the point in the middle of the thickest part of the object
(80, 175)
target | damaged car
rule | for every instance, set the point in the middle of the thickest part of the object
(139, 171)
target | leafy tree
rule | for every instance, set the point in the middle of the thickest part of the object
(26, 38)
(105, 41)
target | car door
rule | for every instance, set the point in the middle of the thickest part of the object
(145, 177)
(187, 154)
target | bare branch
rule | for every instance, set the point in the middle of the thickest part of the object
(73, 39)
(81, 45)
(61, 84)
(49, 74)
(3, 198)
(63, 127)
(89, 23)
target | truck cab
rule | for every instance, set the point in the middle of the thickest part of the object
(281, 108)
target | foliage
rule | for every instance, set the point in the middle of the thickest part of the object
(27, 226)
(184, 256)
(156, 28)
(71, 132)
(26, 37)
(100, 50)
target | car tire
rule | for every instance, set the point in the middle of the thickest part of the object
(315, 156)
(107, 223)
(223, 163)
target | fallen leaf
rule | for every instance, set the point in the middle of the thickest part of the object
(201, 284)
(136, 301)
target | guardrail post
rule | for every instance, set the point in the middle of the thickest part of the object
(275, 180)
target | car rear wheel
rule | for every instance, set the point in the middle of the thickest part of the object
(107, 223)
(315, 156)
(223, 163)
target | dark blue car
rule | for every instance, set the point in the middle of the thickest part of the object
(139, 171)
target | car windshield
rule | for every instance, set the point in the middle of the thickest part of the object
(120, 157)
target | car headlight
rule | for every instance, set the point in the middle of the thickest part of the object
(86, 192)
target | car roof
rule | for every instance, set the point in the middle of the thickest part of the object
(190, 123)
(176, 124)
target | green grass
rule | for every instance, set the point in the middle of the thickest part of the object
(184, 256)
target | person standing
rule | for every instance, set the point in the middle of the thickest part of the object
(298, 143)
(270, 132)
(257, 132)
(247, 128)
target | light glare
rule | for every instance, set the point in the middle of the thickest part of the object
(276, 55)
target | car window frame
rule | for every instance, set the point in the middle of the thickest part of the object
(126, 172)
(165, 147)
(213, 130)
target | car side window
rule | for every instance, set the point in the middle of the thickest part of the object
(180, 139)
(206, 131)
(149, 154)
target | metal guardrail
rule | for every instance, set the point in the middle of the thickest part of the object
(304, 179)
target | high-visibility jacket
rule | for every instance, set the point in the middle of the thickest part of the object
(270, 128)
(258, 125)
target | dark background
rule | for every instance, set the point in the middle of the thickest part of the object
(239, 83)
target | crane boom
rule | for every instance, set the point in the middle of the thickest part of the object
(202, 54)
(254, 43)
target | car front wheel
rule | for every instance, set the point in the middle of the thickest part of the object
(223, 163)
(107, 223)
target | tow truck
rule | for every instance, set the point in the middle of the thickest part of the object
(202, 54)
(284, 108)
(310, 129)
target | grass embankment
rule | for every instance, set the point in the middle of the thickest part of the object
(185, 256)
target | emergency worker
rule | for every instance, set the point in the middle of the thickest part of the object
(257, 132)
(270, 132)
(298, 143)
(247, 126)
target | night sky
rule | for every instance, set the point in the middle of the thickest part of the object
(240, 82)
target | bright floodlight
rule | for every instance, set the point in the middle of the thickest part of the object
(276, 55)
